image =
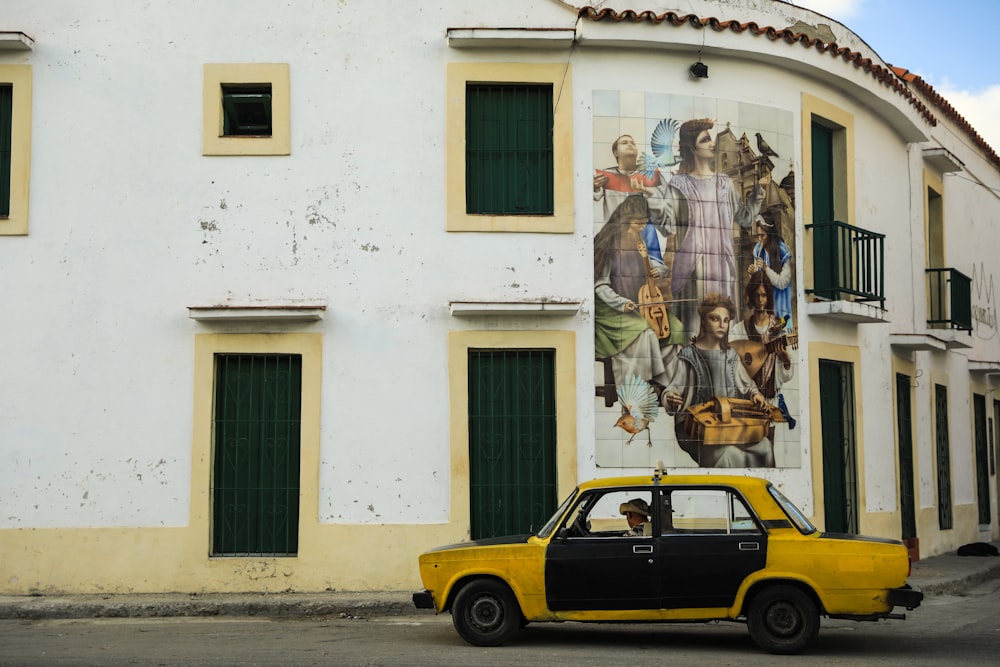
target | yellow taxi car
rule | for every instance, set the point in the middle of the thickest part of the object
(670, 548)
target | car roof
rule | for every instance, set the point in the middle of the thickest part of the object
(740, 481)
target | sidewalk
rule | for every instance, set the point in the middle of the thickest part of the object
(940, 575)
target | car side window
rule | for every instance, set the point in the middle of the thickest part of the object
(708, 512)
(618, 513)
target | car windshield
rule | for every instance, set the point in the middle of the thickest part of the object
(550, 525)
(793, 512)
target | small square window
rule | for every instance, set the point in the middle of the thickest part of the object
(246, 110)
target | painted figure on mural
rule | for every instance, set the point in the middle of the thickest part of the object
(704, 371)
(710, 208)
(621, 330)
(612, 185)
(772, 257)
(762, 343)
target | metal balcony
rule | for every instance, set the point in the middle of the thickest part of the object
(848, 263)
(950, 299)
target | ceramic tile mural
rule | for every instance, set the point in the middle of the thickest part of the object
(695, 310)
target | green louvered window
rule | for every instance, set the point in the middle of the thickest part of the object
(512, 440)
(6, 113)
(246, 110)
(508, 154)
(255, 479)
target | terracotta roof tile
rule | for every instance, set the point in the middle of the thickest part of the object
(896, 78)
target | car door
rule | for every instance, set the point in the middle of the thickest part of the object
(601, 567)
(710, 543)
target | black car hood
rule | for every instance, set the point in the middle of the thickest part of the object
(859, 538)
(488, 542)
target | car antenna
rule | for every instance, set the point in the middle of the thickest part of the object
(659, 471)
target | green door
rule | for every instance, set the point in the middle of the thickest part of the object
(512, 440)
(836, 396)
(255, 471)
(904, 427)
(943, 448)
(982, 459)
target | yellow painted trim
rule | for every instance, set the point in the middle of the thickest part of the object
(215, 75)
(932, 182)
(459, 344)
(19, 77)
(832, 116)
(559, 75)
(848, 354)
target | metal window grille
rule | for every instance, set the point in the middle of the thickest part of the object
(982, 459)
(509, 149)
(512, 443)
(255, 478)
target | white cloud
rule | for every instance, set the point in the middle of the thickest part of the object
(979, 108)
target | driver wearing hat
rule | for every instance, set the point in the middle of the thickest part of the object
(636, 512)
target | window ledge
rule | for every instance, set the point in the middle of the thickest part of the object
(310, 312)
(942, 160)
(494, 308)
(535, 38)
(984, 367)
(953, 338)
(848, 311)
(15, 41)
(917, 342)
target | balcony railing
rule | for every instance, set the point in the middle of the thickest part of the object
(847, 263)
(950, 294)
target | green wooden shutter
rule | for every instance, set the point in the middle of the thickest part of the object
(6, 115)
(904, 427)
(945, 519)
(825, 241)
(255, 481)
(512, 443)
(509, 153)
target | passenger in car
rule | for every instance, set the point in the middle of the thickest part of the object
(636, 512)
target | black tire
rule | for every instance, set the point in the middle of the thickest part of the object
(486, 613)
(783, 620)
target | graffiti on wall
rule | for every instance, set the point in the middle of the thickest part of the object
(984, 308)
(695, 311)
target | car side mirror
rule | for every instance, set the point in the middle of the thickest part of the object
(563, 533)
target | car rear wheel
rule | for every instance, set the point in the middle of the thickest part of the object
(485, 613)
(783, 620)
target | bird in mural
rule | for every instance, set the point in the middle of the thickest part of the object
(639, 406)
(662, 144)
(783, 407)
(763, 147)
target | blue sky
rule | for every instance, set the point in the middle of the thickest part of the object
(951, 44)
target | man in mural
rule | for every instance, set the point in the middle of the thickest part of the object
(621, 330)
(762, 342)
(702, 373)
(613, 185)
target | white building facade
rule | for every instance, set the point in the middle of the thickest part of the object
(295, 293)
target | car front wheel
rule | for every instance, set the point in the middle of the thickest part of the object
(486, 613)
(783, 620)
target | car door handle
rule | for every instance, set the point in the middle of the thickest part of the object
(749, 546)
(642, 549)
